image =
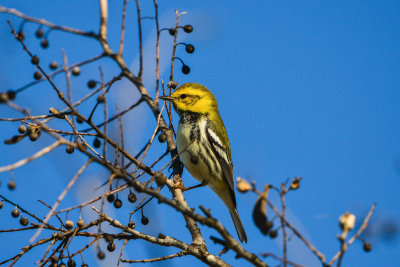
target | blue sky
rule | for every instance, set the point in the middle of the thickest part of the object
(305, 89)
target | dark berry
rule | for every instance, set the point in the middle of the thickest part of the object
(71, 263)
(110, 198)
(21, 35)
(33, 136)
(367, 247)
(273, 234)
(132, 197)
(76, 71)
(37, 75)
(1, 205)
(11, 94)
(22, 129)
(172, 31)
(39, 33)
(79, 120)
(96, 143)
(91, 84)
(185, 69)
(80, 223)
(190, 48)
(188, 28)
(69, 224)
(11, 185)
(144, 220)
(35, 60)
(3, 97)
(44, 43)
(162, 138)
(53, 65)
(131, 225)
(54, 259)
(270, 224)
(111, 247)
(24, 221)
(108, 238)
(117, 203)
(62, 264)
(101, 99)
(84, 265)
(70, 149)
(15, 212)
(101, 255)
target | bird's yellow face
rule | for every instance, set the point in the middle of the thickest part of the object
(193, 97)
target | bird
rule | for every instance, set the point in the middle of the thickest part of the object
(203, 144)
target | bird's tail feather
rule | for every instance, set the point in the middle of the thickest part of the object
(238, 225)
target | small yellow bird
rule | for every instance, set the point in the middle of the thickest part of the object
(203, 144)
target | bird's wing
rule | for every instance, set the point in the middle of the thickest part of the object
(224, 158)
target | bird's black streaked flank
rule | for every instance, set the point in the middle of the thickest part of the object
(207, 153)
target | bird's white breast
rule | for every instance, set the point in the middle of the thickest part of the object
(189, 149)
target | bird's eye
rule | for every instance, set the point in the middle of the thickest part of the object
(183, 96)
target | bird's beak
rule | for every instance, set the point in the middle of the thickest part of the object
(168, 98)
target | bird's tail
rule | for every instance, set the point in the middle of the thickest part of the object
(238, 225)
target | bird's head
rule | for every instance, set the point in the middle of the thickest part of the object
(193, 97)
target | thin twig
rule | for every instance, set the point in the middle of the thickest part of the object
(354, 237)
(121, 42)
(140, 41)
(59, 199)
(37, 155)
(176, 255)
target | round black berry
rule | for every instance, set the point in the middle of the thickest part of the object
(190, 48)
(37, 75)
(71, 263)
(185, 69)
(367, 247)
(111, 247)
(24, 221)
(22, 129)
(3, 97)
(110, 198)
(131, 225)
(273, 234)
(53, 65)
(101, 255)
(101, 99)
(70, 149)
(132, 197)
(21, 35)
(76, 71)
(44, 43)
(80, 223)
(117, 203)
(79, 120)
(54, 259)
(96, 143)
(11, 185)
(188, 28)
(11, 94)
(33, 136)
(172, 31)
(91, 84)
(35, 60)
(39, 33)
(69, 224)
(144, 220)
(15, 212)
(162, 138)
